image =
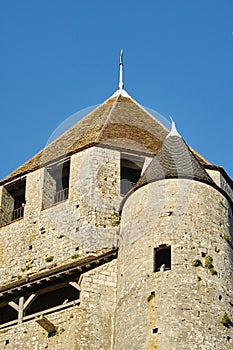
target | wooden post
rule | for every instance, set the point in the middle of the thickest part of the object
(20, 312)
(22, 306)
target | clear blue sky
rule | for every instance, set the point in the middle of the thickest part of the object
(60, 56)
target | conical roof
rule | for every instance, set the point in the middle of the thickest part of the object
(174, 160)
(120, 122)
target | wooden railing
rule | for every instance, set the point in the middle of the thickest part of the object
(44, 312)
(17, 213)
(61, 195)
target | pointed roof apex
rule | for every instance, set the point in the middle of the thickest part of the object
(174, 160)
(173, 131)
(121, 92)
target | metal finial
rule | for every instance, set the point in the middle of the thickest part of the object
(121, 85)
(173, 131)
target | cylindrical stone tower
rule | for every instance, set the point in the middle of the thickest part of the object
(175, 287)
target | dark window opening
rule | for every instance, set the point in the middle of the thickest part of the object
(56, 183)
(46, 299)
(7, 314)
(155, 330)
(162, 258)
(131, 169)
(53, 298)
(14, 200)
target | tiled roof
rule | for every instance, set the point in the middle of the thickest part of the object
(174, 160)
(120, 122)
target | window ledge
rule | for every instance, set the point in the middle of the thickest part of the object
(13, 221)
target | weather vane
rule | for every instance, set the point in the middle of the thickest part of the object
(121, 85)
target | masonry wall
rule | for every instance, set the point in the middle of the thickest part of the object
(87, 221)
(181, 308)
(81, 327)
(51, 235)
(221, 182)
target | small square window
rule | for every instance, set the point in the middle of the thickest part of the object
(162, 258)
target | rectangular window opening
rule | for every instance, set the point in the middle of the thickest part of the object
(47, 299)
(52, 299)
(130, 170)
(56, 183)
(13, 201)
(7, 314)
(162, 258)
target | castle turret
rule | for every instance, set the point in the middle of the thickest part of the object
(62, 284)
(175, 262)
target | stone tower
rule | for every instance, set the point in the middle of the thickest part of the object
(116, 236)
(175, 257)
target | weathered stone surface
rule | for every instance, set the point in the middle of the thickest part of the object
(187, 302)
(81, 327)
(121, 309)
(87, 221)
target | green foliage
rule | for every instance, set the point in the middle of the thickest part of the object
(225, 320)
(16, 276)
(227, 237)
(49, 258)
(151, 296)
(60, 331)
(51, 266)
(115, 219)
(197, 263)
(213, 272)
(75, 256)
(208, 262)
(26, 268)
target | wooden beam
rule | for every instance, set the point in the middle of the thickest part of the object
(29, 301)
(46, 324)
(21, 309)
(14, 305)
(75, 285)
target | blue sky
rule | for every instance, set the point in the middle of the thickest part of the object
(60, 56)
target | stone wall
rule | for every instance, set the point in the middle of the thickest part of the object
(87, 221)
(181, 308)
(81, 327)
(220, 180)
(51, 235)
